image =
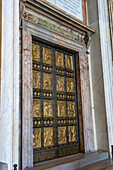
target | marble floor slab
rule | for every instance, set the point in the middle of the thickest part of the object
(101, 165)
(71, 162)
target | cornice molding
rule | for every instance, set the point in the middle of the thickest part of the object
(50, 11)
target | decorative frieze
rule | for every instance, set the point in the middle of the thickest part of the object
(36, 20)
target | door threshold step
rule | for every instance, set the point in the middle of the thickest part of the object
(106, 164)
(71, 162)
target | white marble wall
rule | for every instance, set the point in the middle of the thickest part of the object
(107, 66)
(9, 116)
(96, 80)
(101, 72)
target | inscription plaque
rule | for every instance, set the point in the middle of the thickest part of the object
(73, 7)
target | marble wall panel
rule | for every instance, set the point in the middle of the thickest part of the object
(86, 104)
(106, 55)
(101, 72)
(27, 118)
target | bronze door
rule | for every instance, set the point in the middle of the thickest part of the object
(55, 116)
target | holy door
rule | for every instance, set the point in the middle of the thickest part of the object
(55, 117)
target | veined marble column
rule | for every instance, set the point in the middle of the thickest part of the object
(107, 66)
(9, 116)
(110, 12)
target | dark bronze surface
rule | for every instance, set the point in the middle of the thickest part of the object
(55, 116)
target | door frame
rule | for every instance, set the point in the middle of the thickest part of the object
(46, 35)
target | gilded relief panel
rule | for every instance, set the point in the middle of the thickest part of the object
(36, 107)
(47, 84)
(60, 83)
(47, 108)
(71, 109)
(53, 90)
(48, 136)
(36, 52)
(68, 61)
(72, 133)
(59, 59)
(36, 79)
(62, 135)
(69, 84)
(61, 108)
(46, 55)
(36, 138)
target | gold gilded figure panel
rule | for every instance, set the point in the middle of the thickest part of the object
(71, 109)
(36, 138)
(46, 55)
(72, 133)
(47, 84)
(69, 63)
(36, 79)
(59, 59)
(69, 84)
(36, 52)
(62, 135)
(48, 136)
(47, 108)
(61, 108)
(60, 83)
(36, 107)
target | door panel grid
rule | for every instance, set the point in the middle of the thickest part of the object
(55, 116)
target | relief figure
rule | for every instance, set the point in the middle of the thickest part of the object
(59, 59)
(71, 109)
(47, 108)
(36, 52)
(36, 138)
(47, 81)
(69, 64)
(46, 55)
(61, 108)
(36, 108)
(61, 135)
(69, 84)
(36, 79)
(59, 83)
(48, 136)
(72, 133)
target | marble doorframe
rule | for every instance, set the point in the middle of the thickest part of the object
(0, 48)
(44, 34)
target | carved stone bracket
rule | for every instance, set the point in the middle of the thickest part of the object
(87, 40)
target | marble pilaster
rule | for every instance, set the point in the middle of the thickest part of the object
(107, 66)
(9, 116)
(27, 116)
(86, 105)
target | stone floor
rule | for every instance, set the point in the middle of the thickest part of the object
(101, 165)
(75, 161)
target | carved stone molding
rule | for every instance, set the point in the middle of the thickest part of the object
(36, 20)
(45, 9)
(87, 40)
(21, 10)
(23, 1)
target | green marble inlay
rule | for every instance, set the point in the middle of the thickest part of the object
(54, 27)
